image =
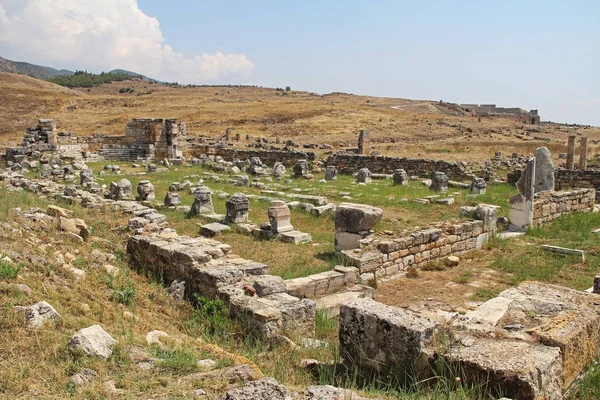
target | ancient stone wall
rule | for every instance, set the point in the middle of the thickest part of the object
(322, 284)
(268, 157)
(389, 257)
(549, 205)
(569, 179)
(350, 163)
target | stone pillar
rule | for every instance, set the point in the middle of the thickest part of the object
(400, 177)
(571, 152)
(544, 170)
(596, 288)
(227, 134)
(363, 142)
(146, 191)
(280, 217)
(330, 173)
(439, 182)
(256, 166)
(86, 177)
(520, 214)
(363, 176)
(238, 208)
(278, 169)
(202, 201)
(583, 149)
(237, 137)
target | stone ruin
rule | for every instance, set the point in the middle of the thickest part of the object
(400, 177)
(363, 176)
(353, 222)
(202, 201)
(145, 191)
(237, 207)
(301, 169)
(439, 182)
(363, 142)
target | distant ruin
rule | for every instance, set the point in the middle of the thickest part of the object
(491, 110)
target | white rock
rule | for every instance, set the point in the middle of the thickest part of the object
(92, 341)
(38, 314)
(153, 337)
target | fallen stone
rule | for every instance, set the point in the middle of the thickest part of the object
(213, 229)
(295, 237)
(92, 341)
(83, 377)
(262, 389)
(39, 314)
(564, 250)
(452, 261)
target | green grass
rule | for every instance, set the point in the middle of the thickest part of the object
(8, 270)
(180, 361)
(589, 386)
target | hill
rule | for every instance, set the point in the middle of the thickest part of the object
(400, 127)
(33, 70)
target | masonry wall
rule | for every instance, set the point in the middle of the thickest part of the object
(386, 257)
(574, 178)
(350, 163)
(268, 157)
(548, 206)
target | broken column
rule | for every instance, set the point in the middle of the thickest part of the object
(520, 214)
(478, 186)
(121, 190)
(544, 170)
(330, 173)
(300, 168)
(278, 170)
(280, 217)
(256, 166)
(363, 142)
(400, 177)
(571, 152)
(439, 182)
(363, 176)
(145, 190)
(583, 149)
(227, 134)
(202, 201)
(237, 207)
(172, 199)
(353, 222)
(86, 177)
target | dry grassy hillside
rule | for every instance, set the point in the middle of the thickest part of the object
(398, 126)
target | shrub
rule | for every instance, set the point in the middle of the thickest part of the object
(8, 270)
(125, 294)
(210, 317)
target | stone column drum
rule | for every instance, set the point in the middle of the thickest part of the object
(330, 173)
(238, 208)
(279, 217)
(478, 186)
(301, 168)
(439, 182)
(583, 150)
(363, 176)
(400, 177)
(145, 190)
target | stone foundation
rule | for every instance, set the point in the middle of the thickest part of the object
(548, 206)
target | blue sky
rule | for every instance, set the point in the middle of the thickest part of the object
(530, 54)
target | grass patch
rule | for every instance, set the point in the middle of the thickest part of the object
(8, 270)
(463, 278)
(179, 360)
(483, 294)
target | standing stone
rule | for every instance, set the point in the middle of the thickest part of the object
(279, 217)
(583, 150)
(202, 201)
(301, 168)
(86, 177)
(544, 170)
(145, 190)
(520, 214)
(237, 207)
(121, 190)
(571, 152)
(256, 166)
(278, 169)
(363, 142)
(363, 176)
(227, 134)
(242, 180)
(439, 182)
(172, 199)
(478, 186)
(237, 137)
(400, 177)
(596, 287)
(330, 173)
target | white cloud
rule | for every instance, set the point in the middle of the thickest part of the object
(102, 35)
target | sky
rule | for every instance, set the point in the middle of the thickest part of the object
(531, 54)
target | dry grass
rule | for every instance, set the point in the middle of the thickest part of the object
(415, 128)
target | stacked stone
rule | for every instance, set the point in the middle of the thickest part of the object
(363, 142)
(393, 256)
(301, 168)
(280, 217)
(145, 191)
(548, 206)
(589, 178)
(121, 190)
(478, 186)
(353, 222)
(256, 166)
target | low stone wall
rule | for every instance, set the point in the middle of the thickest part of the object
(350, 163)
(268, 157)
(574, 178)
(548, 206)
(390, 257)
(318, 285)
